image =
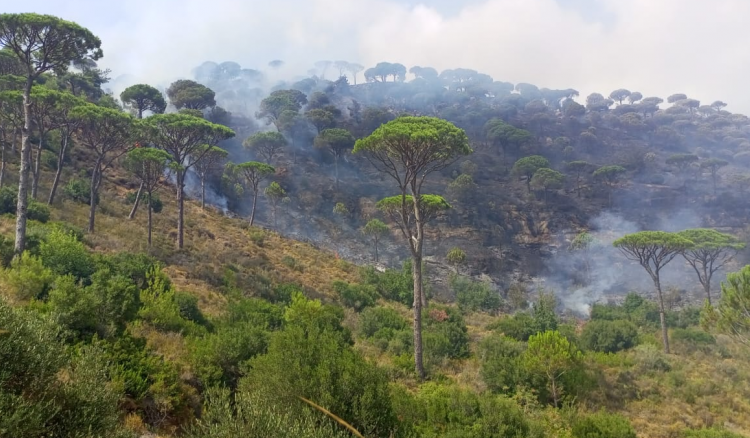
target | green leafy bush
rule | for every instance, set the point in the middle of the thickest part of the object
(8, 200)
(609, 336)
(355, 296)
(378, 319)
(34, 400)
(519, 326)
(160, 308)
(392, 284)
(603, 425)
(500, 358)
(475, 295)
(445, 334)
(248, 414)
(26, 278)
(693, 336)
(188, 305)
(64, 254)
(312, 357)
(37, 211)
(79, 190)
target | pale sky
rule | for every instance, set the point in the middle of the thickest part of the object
(657, 47)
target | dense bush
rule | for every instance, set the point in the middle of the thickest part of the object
(311, 358)
(392, 284)
(250, 415)
(8, 200)
(451, 411)
(34, 400)
(445, 334)
(609, 336)
(355, 296)
(37, 211)
(474, 295)
(64, 254)
(161, 309)
(375, 321)
(79, 190)
(693, 336)
(500, 358)
(603, 425)
(519, 326)
(26, 278)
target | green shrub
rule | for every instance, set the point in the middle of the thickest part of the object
(603, 425)
(392, 284)
(34, 399)
(312, 357)
(8, 200)
(474, 295)
(49, 159)
(693, 336)
(651, 358)
(519, 326)
(711, 433)
(26, 278)
(133, 266)
(160, 308)
(609, 336)
(37, 211)
(445, 334)
(217, 357)
(79, 190)
(64, 254)
(450, 411)
(355, 296)
(500, 358)
(248, 414)
(150, 382)
(7, 250)
(376, 319)
(188, 305)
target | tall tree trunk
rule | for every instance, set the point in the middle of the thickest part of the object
(37, 163)
(376, 249)
(180, 208)
(662, 315)
(148, 207)
(58, 171)
(255, 201)
(707, 282)
(23, 172)
(92, 193)
(418, 353)
(707, 288)
(2, 163)
(203, 192)
(137, 201)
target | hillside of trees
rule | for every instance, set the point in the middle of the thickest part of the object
(363, 251)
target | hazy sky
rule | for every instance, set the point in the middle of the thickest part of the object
(658, 47)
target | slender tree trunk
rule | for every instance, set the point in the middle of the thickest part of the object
(203, 192)
(37, 163)
(662, 315)
(92, 193)
(418, 353)
(23, 172)
(58, 171)
(554, 391)
(2, 163)
(713, 176)
(707, 288)
(148, 207)
(376, 249)
(137, 202)
(255, 201)
(707, 282)
(180, 208)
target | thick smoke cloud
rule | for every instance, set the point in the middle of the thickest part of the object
(658, 48)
